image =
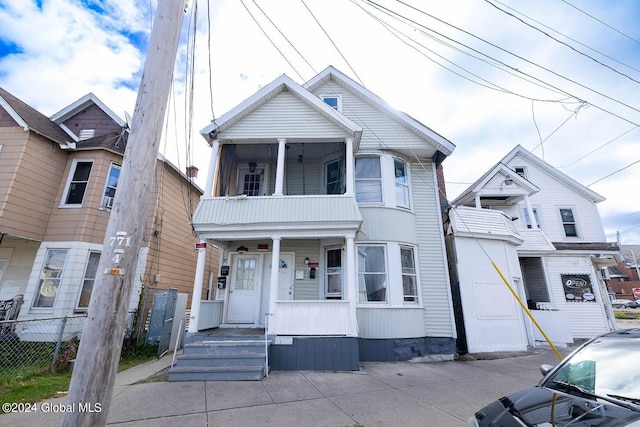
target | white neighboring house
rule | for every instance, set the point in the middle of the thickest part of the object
(543, 231)
(325, 202)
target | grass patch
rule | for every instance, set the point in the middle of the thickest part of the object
(627, 314)
(30, 382)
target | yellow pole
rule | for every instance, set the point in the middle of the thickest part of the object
(526, 310)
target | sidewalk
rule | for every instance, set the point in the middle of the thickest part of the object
(383, 394)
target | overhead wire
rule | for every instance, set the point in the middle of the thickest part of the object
(285, 37)
(489, 85)
(333, 43)
(599, 147)
(516, 56)
(602, 22)
(271, 41)
(561, 42)
(568, 37)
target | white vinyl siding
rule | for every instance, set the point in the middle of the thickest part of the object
(432, 265)
(587, 319)
(285, 115)
(554, 195)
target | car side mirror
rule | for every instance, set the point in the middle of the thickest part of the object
(544, 369)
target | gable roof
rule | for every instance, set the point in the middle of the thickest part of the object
(31, 119)
(523, 185)
(270, 91)
(330, 73)
(502, 167)
(81, 104)
(520, 151)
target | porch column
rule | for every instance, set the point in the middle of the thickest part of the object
(273, 291)
(351, 284)
(213, 166)
(197, 288)
(478, 204)
(280, 167)
(532, 217)
(350, 166)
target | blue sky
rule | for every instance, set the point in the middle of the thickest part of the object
(488, 85)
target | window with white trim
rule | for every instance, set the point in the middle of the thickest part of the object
(520, 170)
(334, 177)
(535, 215)
(89, 279)
(333, 101)
(568, 222)
(77, 182)
(402, 183)
(333, 273)
(409, 275)
(110, 186)
(368, 180)
(372, 273)
(50, 277)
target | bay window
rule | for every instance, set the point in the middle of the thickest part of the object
(409, 276)
(402, 183)
(368, 178)
(77, 182)
(88, 280)
(372, 275)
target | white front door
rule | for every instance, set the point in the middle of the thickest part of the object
(285, 281)
(244, 289)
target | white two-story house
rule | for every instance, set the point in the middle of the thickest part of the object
(543, 231)
(325, 203)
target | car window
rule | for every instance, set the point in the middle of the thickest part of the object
(605, 367)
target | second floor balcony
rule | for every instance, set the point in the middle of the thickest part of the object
(290, 188)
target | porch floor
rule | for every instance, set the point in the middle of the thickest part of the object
(230, 332)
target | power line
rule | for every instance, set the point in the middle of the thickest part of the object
(601, 146)
(513, 54)
(332, 42)
(285, 37)
(613, 173)
(561, 42)
(602, 22)
(271, 41)
(568, 37)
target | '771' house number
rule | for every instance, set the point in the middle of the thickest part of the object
(120, 241)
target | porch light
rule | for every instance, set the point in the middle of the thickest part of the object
(306, 261)
(252, 167)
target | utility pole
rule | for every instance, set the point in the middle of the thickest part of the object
(96, 365)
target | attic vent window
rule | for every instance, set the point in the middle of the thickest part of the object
(87, 133)
(333, 101)
(521, 170)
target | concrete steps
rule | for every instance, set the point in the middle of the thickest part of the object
(222, 359)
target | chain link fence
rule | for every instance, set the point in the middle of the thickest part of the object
(37, 345)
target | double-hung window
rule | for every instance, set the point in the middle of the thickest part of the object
(50, 277)
(333, 273)
(88, 280)
(368, 180)
(334, 177)
(568, 222)
(77, 182)
(372, 273)
(110, 187)
(535, 216)
(409, 276)
(402, 183)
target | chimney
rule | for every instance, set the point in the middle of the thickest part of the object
(192, 172)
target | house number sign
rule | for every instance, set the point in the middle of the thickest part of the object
(120, 242)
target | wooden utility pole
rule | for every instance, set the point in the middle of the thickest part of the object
(96, 364)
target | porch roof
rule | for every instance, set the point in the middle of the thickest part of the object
(241, 217)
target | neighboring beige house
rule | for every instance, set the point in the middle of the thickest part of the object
(58, 177)
(325, 202)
